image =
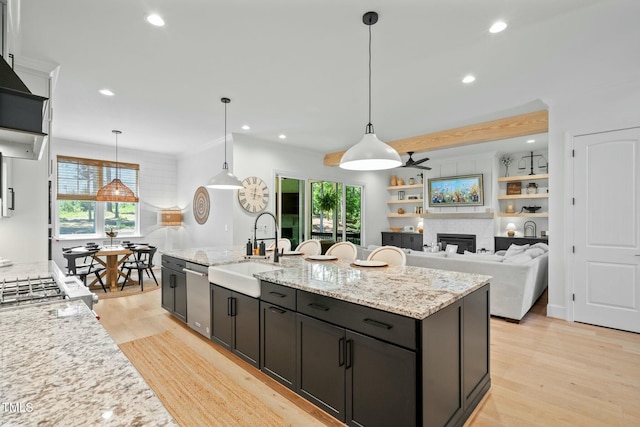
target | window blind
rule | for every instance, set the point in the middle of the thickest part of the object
(80, 179)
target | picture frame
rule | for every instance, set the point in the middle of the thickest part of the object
(463, 190)
(400, 195)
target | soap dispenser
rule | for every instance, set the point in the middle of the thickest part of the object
(249, 247)
(263, 250)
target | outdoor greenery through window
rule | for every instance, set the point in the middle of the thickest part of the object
(79, 214)
(327, 202)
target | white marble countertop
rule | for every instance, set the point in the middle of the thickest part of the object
(27, 269)
(58, 366)
(409, 291)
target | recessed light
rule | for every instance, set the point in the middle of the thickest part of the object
(469, 79)
(246, 127)
(156, 20)
(282, 136)
(106, 92)
(497, 27)
(530, 141)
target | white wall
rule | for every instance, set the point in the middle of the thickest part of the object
(263, 159)
(157, 190)
(195, 169)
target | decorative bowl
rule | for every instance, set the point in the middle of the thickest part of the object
(395, 229)
(531, 209)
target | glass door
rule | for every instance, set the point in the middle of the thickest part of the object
(290, 209)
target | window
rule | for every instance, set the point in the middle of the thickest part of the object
(78, 182)
(330, 203)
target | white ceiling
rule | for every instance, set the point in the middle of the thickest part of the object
(300, 67)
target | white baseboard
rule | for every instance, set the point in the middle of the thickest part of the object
(557, 311)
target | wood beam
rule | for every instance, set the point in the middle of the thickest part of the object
(509, 127)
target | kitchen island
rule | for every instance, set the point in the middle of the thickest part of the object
(59, 367)
(394, 345)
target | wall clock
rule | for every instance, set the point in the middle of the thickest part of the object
(255, 194)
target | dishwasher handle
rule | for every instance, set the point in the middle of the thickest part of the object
(197, 273)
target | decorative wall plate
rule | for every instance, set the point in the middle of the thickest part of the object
(201, 205)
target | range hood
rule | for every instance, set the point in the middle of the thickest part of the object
(21, 117)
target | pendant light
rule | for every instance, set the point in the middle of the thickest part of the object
(370, 153)
(116, 191)
(225, 180)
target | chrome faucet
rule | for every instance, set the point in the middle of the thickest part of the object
(276, 254)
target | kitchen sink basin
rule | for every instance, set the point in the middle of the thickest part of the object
(239, 277)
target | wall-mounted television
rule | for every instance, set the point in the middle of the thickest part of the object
(464, 190)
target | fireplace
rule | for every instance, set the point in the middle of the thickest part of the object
(465, 242)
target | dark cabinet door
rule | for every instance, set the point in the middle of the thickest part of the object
(412, 241)
(221, 315)
(391, 239)
(180, 296)
(321, 364)
(245, 313)
(168, 283)
(278, 351)
(174, 293)
(381, 383)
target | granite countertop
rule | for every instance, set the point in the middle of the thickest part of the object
(27, 269)
(58, 366)
(415, 292)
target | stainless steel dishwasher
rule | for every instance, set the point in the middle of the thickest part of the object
(198, 298)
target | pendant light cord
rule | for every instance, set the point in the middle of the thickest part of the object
(369, 128)
(225, 101)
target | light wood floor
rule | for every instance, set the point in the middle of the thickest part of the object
(545, 372)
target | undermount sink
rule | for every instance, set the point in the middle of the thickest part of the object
(239, 277)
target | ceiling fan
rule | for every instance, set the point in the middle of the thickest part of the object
(415, 163)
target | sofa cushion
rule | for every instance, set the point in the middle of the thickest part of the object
(521, 258)
(542, 246)
(477, 257)
(515, 250)
(534, 252)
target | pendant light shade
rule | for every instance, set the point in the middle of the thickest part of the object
(116, 190)
(225, 180)
(370, 153)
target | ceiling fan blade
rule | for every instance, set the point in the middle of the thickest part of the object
(417, 162)
(427, 168)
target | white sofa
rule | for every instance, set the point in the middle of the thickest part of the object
(515, 287)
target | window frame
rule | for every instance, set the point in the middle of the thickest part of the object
(100, 207)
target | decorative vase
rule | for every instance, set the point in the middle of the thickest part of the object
(394, 182)
(400, 211)
(412, 181)
(400, 181)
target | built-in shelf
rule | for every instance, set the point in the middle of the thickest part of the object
(404, 215)
(525, 215)
(523, 196)
(405, 201)
(404, 187)
(539, 176)
(458, 215)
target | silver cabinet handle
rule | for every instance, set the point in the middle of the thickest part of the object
(197, 273)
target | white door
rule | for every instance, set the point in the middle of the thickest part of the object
(607, 229)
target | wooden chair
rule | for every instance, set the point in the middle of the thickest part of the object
(86, 267)
(343, 250)
(143, 261)
(310, 247)
(392, 255)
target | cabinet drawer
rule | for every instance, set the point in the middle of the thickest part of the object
(173, 263)
(278, 294)
(390, 327)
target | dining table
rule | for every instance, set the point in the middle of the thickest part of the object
(112, 257)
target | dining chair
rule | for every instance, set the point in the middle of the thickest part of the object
(283, 245)
(392, 255)
(310, 247)
(86, 268)
(142, 262)
(343, 250)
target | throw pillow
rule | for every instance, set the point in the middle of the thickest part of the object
(518, 259)
(534, 252)
(515, 250)
(542, 246)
